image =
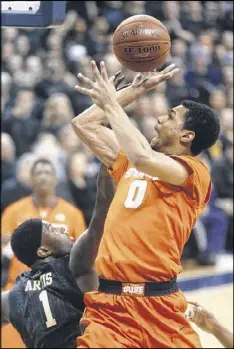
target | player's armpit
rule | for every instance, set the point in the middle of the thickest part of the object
(81, 266)
(88, 282)
(85, 249)
(162, 166)
(100, 140)
(5, 317)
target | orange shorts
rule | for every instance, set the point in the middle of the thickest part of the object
(115, 321)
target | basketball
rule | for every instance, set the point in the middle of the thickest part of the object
(141, 43)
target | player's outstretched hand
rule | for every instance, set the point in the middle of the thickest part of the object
(102, 90)
(209, 323)
(150, 80)
(202, 317)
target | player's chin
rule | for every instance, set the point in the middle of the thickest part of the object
(155, 143)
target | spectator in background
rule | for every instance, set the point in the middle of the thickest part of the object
(18, 186)
(43, 204)
(7, 157)
(6, 87)
(226, 116)
(222, 177)
(213, 226)
(177, 89)
(20, 125)
(218, 102)
(57, 112)
(81, 185)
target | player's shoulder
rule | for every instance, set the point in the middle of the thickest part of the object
(193, 162)
(17, 205)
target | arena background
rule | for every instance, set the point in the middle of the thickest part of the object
(38, 75)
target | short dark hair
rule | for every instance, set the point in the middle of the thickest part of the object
(26, 239)
(205, 122)
(45, 162)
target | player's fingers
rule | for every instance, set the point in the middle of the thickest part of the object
(118, 81)
(96, 72)
(103, 71)
(169, 68)
(190, 315)
(175, 71)
(170, 75)
(164, 77)
(193, 303)
(118, 72)
(85, 79)
(83, 90)
(115, 77)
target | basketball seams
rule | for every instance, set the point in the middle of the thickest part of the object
(133, 42)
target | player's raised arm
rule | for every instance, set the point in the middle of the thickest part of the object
(5, 308)
(134, 144)
(85, 249)
(89, 125)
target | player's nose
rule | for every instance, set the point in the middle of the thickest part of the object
(159, 120)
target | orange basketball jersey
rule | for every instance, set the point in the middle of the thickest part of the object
(149, 222)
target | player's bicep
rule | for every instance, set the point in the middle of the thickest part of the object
(5, 317)
(100, 140)
(164, 167)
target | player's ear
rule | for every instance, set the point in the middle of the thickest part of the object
(187, 137)
(43, 252)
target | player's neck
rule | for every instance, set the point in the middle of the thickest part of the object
(42, 200)
(173, 150)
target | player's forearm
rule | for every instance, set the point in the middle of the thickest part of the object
(223, 335)
(85, 249)
(96, 115)
(130, 139)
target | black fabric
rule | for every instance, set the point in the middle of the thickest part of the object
(65, 301)
(151, 288)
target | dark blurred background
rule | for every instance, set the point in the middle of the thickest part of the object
(38, 76)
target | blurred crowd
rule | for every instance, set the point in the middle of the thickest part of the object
(38, 101)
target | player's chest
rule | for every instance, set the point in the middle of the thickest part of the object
(137, 189)
(136, 192)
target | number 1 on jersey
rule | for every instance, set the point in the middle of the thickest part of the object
(46, 306)
(136, 194)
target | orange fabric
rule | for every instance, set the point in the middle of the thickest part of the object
(145, 243)
(11, 338)
(18, 212)
(147, 225)
(134, 322)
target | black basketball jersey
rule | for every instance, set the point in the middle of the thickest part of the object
(46, 305)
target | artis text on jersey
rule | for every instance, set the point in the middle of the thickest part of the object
(38, 285)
